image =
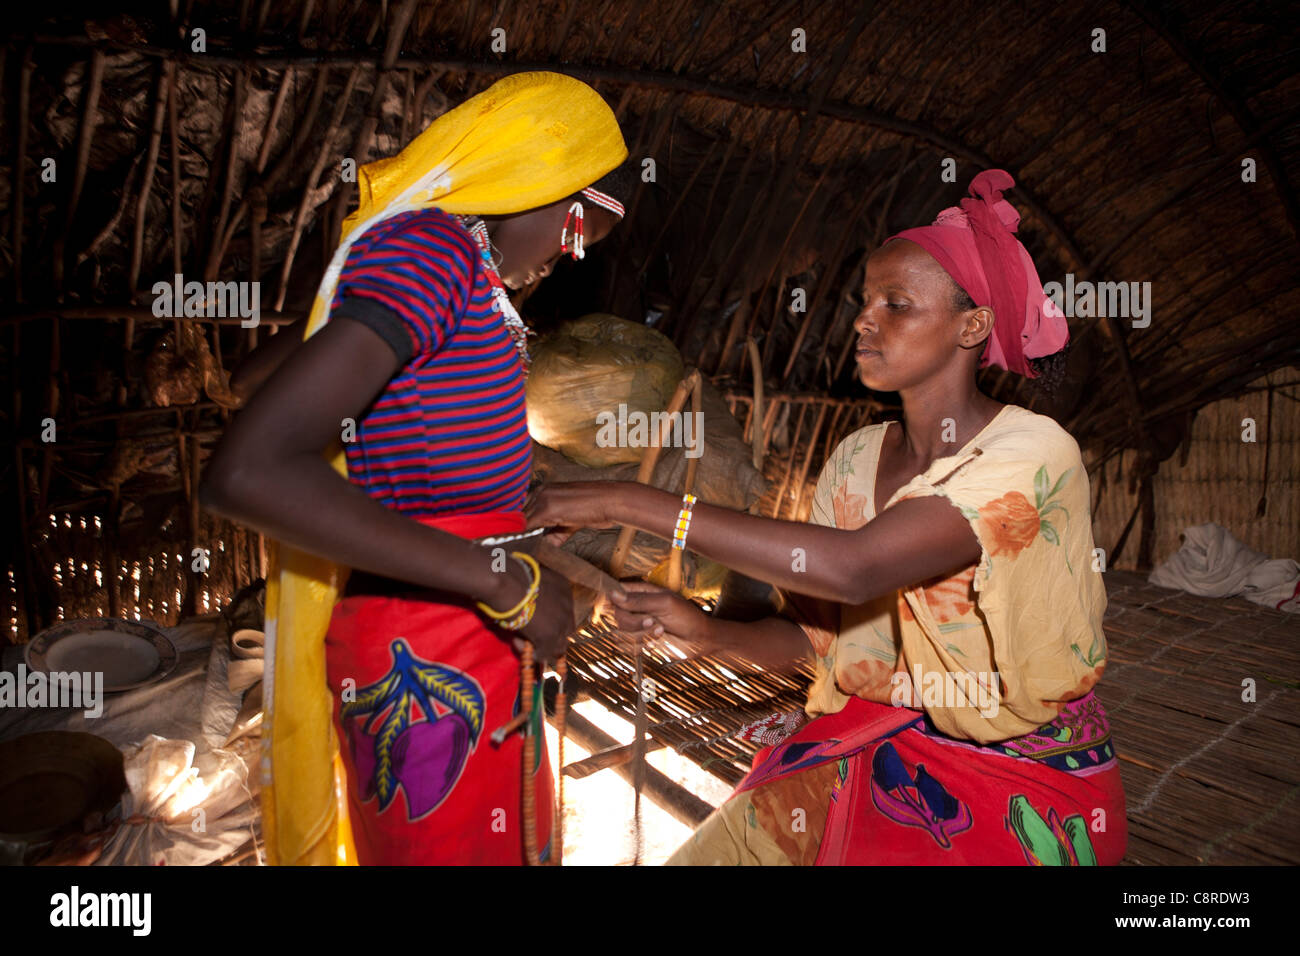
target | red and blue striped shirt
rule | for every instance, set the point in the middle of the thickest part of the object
(449, 433)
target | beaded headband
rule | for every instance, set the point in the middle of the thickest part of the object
(604, 200)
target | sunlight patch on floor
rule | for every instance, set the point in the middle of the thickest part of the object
(599, 809)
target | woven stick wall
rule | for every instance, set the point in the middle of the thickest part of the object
(1251, 488)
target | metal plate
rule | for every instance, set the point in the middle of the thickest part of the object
(130, 654)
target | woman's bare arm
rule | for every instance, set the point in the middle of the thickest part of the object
(262, 362)
(270, 474)
(915, 540)
(773, 642)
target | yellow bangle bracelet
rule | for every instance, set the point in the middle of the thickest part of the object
(520, 622)
(530, 596)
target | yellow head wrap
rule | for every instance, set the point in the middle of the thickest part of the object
(529, 140)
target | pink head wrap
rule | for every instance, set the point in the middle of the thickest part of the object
(976, 246)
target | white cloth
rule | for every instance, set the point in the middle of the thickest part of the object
(1213, 563)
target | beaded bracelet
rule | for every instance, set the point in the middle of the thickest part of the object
(683, 522)
(517, 617)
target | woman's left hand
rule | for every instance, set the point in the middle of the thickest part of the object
(662, 613)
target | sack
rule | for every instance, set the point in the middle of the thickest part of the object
(591, 366)
(725, 476)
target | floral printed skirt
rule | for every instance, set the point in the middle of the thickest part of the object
(419, 685)
(875, 784)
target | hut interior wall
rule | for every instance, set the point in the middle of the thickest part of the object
(1222, 478)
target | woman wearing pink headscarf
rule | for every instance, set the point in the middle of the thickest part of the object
(946, 590)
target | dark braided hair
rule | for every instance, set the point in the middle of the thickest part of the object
(1050, 369)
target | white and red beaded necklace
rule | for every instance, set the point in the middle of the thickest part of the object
(477, 228)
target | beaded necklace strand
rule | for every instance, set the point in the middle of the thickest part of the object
(519, 332)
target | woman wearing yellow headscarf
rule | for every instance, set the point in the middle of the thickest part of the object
(383, 444)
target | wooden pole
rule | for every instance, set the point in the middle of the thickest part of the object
(803, 472)
(268, 131)
(217, 249)
(20, 162)
(313, 177)
(615, 756)
(146, 186)
(27, 587)
(673, 798)
(697, 407)
(173, 130)
(758, 439)
(192, 499)
(789, 465)
(561, 719)
(649, 458)
(85, 137)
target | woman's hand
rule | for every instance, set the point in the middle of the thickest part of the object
(662, 613)
(574, 504)
(552, 621)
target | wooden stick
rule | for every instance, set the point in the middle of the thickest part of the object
(768, 420)
(142, 313)
(85, 137)
(218, 247)
(648, 257)
(738, 248)
(300, 216)
(561, 718)
(268, 131)
(649, 457)
(789, 465)
(146, 186)
(258, 204)
(408, 99)
(803, 398)
(666, 120)
(509, 727)
(803, 472)
(111, 226)
(173, 129)
(196, 577)
(422, 95)
(27, 587)
(773, 99)
(849, 336)
(611, 757)
(832, 263)
(640, 722)
(666, 793)
(692, 464)
(365, 134)
(785, 245)
(571, 567)
(306, 125)
(20, 162)
(51, 410)
(760, 423)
